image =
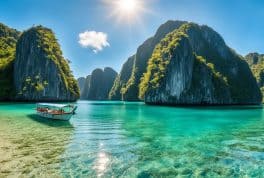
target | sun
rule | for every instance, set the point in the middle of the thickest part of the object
(127, 6)
(126, 11)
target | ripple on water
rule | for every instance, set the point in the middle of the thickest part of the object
(30, 147)
(133, 140)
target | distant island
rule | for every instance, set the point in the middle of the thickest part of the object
(97, 85)
(183, 63)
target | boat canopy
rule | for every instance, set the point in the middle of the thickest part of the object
(53, 105)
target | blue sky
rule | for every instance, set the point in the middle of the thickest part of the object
(239, 22)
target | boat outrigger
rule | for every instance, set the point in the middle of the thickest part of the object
(56, 111)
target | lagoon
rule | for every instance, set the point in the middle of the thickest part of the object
(131, 139)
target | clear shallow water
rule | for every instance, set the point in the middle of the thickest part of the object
(116, 139)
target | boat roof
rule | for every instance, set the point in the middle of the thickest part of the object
(53, 105)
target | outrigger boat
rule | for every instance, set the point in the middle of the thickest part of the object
(56, 111)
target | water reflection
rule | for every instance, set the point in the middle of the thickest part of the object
(187, 141)
(101, 163)
(134, 140)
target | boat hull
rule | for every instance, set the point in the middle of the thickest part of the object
(64, 117)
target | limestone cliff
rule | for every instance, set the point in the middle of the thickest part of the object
(122, 79)
(8, 40)
(81, 83)
(86, 88)
(129, 89)
(40, 71)
(256, 64)
(98, 85)
(193, 65)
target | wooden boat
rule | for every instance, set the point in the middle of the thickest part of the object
(56, 111)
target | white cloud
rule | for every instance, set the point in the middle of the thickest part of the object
(94, 40)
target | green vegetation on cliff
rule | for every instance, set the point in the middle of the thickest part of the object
(44, 46)
(128, 89)
(49, 44)
(219, 81)
(23, 63)
(208, 53)
(8, 39)
(158, 62)
(256, 64)
(120, 83)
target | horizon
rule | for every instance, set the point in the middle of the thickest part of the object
(120, 36)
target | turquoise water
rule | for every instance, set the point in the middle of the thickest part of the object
(117, 139)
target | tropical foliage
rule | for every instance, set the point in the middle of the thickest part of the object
(121, 84)
(159, 60)
(130, 88)
(47, 43)
(8, 39)
(256, 64)
(210, 51)
(51, 47)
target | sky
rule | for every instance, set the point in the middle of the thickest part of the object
(101, 33)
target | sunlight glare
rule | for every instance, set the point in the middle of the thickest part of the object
(126, 11)
(127, 5)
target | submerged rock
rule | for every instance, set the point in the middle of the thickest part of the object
(193, 65)
(40, 71)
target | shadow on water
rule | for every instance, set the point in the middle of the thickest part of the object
(109, 103)
(212, 107)
(50, 122)
(196, 107)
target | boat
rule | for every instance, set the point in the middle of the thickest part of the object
(56, 111)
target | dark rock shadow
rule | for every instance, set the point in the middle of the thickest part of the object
(118, 103)
(50, 122)
(213, 107)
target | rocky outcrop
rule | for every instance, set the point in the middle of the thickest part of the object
(121, 80)
(98, 85)
(81, 83)
(193, 65)
(86, 88)
(256, 64)
(40, 71)
(129, 89)
(8, 40)
(254, 58)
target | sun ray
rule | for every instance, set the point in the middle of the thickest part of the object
(126, 11)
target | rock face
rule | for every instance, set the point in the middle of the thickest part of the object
(122, 79)
(256, 63)
(128, 89)
(81, 82)
(40, 71)
(98, 85)
(193, 65)
(86, 88)
(8, 40)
